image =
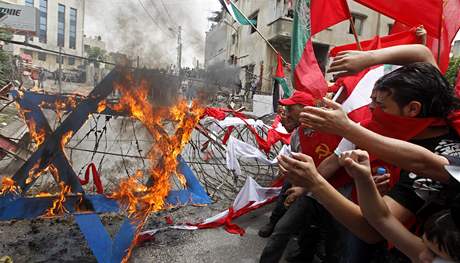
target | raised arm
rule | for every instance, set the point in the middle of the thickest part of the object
(352, 62)
(300, 170)
(403, 154)
(329, 166)
(374, 207)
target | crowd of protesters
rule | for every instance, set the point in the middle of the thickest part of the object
(390, 191)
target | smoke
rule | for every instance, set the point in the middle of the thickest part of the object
(127, 28)
(224, 75)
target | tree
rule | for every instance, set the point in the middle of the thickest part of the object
(452, 71)
(95, 54)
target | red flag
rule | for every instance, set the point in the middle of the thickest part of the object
(308, 76)
(402, 37)
(413, 13)
(326, 13)
(323, 14)
(450, 26)
(279, 67)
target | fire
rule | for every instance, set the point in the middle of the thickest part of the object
(61, 105)
(8, 186)
(101, 106)
(139, 200)
(37, 135)
(58, 207)
(34, 173)
(66, 138)
(43, 194)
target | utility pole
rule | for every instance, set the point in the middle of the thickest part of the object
(60, 70)
(179, 49)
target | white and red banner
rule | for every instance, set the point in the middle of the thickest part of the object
(250, 197)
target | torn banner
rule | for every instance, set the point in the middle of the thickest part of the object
(250, 197)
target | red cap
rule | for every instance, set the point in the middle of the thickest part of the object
(299, 97)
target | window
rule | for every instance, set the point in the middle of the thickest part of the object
(358, 20)
(41, 56)
(43, 21)
(390, 26)
(253, 20)
(71, 61)
(29, 2)
(73, 29)
(62, 59)
(233, 38)
(61, 25)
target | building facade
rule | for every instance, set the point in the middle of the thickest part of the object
(61, 24)
(246, 48)
(92, 42)
(456, 49)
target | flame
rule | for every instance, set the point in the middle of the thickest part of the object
(37, 135)
(101, 106)
(60, 105)
(138, 199)
(43, 194)
(58, 207)
(34, 173)
(66, 138)
(8, 186)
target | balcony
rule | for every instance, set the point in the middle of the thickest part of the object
(280, 33)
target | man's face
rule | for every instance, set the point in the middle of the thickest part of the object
(293, 113)
(385, 101)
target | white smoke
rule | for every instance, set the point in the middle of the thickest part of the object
(126, 27)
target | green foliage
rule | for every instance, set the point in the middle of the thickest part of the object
(5, 59)
(451, 73)
(96, 53)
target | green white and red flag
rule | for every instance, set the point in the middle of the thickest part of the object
(231, 8)
(311, 17)
(281, 78)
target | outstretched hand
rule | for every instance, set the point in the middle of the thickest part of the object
(350, 62)
(356, 163)
(332, 119)
(300, 170)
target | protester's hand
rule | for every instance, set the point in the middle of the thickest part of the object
(332, 119)
(356, 163)
(300, 170)
(292, 194)
(420, 33)
(383, 183)
(350, 62)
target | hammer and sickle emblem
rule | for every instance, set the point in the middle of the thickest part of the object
(322, 151)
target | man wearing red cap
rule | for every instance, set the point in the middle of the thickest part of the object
(302, 214)
(290, 120)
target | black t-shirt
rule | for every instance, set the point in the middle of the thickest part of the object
(413, 191)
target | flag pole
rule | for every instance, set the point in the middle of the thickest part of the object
(353, 29)
(352, 25)
(440, 31)
(261, 35)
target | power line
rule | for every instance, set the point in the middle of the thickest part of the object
(167, 11)
(153, 19)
